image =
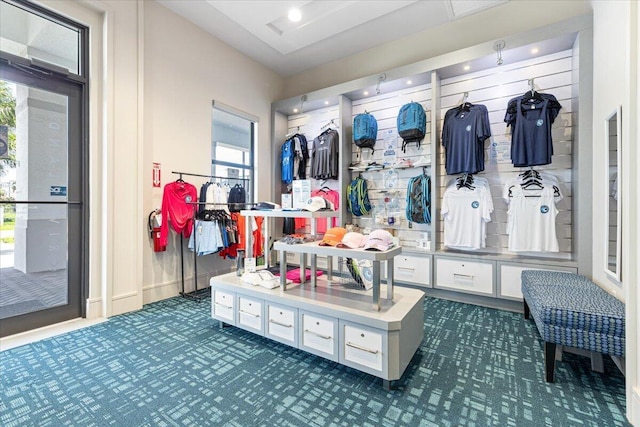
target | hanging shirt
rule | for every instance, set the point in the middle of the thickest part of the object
(324, 155)
(332, 196)
(465, 213)
(176, 208)
(530, 121)
(532, 221)
(463, 136)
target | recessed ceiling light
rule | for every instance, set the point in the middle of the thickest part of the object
(409, 82)
(295, 110)
(326, 102)
(295, 15)
(467, 67)
(534, 50)
(366, 93)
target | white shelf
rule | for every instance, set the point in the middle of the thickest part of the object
(289, 214)
(314, 249)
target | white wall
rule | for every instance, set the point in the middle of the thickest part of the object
(186, 68)
(490, 25)
(615, 83)
(153, 79)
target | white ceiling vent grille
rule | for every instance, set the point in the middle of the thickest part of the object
(459, 8)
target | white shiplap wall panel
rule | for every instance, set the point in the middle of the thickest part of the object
(385, 108)
(494, 88)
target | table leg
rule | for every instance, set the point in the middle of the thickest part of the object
(390, 279)
(303, 268)
(314, 270)
(376, 285)
(283, 270)
(329, 268)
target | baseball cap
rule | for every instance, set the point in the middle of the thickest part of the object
(318, 203)
(378, 240)
(333, 236)
(352, 240)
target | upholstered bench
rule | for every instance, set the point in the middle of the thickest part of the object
(571, 311)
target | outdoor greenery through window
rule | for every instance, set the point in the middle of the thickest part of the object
(232, 142)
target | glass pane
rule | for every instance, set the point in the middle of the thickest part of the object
(33, 236)
(24, 34)
(33, 258)
(36, 167)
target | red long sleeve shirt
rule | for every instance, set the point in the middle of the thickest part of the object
(176, 208)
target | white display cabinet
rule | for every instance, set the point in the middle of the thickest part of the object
(328, 321)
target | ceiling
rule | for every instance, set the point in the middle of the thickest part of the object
(329, 29)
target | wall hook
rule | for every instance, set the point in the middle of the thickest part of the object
(498, 46)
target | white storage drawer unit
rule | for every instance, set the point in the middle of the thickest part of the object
(223, 306)
(281, 324)
(319, 335)
(250, 315)
(412, 269)
(509, 278)
(465, 276)
(362, 348)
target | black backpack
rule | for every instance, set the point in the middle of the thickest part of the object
(237, 198)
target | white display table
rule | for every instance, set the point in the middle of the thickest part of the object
(312, 216)
(314, 249)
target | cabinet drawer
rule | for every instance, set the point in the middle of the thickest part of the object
(412, 269)
(465, 276)
(250, 314)
(510, 278)
(362, 346)
(281, 324)
(319, 335)
(222, 306)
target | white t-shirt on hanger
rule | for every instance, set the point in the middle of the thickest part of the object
(532, 221)
(465, 213)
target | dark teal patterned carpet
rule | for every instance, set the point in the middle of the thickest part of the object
(171, 365)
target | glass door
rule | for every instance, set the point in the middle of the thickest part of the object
(41, 199)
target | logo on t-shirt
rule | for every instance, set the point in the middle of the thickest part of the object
(540, 122)
(468, 128)
(475, 204)
(544, 209)
(187, 199)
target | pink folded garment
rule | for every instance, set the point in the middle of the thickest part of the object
(294, 275)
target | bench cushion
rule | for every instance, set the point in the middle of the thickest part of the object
(571, 310)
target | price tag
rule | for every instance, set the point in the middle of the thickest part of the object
(250, 265)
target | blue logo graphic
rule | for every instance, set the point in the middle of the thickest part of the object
(475, 204)
(468, 128)
(544, 209)
(540, 122)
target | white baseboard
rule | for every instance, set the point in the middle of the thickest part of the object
(161, 291)
(125, 303)
(94, 308)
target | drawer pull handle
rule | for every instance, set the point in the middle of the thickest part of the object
(324, 337)
(357, 347)
(466, 276)
(406, 268)
(275, 322)
(224, 306)
(249, 314)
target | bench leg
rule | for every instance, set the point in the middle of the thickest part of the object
(597, 364)
(526, 308)
(549, 361)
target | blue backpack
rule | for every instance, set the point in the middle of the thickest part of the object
(412, 124)
(419, 199)
(365, 130)
(358, 197)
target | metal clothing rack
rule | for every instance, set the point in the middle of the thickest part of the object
(196, 294)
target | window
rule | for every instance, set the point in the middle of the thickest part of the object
(232, 142)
